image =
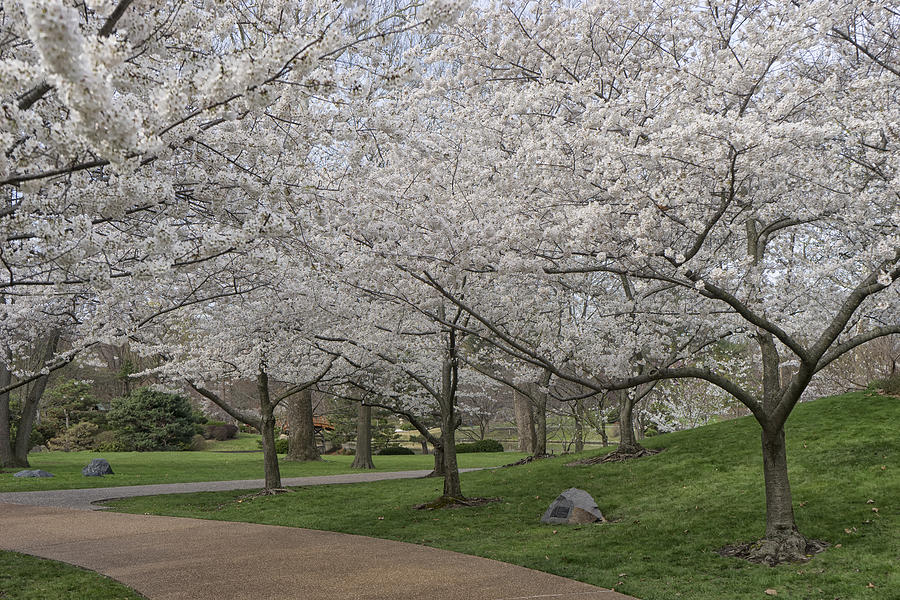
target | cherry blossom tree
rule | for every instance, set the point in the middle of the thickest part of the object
(736, 162)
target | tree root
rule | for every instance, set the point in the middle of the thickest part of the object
(451, 502)
(792, 547)
(527, 460)
(616, 456)
(264, 492)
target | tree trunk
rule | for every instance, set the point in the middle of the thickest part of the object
(438, 460)
(363, 458)
(266, 427)
(302, 445)
(452, 486)
(627, 441)
(270, 457)
(539, 412)
(449, 416)
(783, 541)
(524, 422)
(424, 443)
(6, 453)
(33, 394)
(579, 425)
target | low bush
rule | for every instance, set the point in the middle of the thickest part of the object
(198, 442)
(889, 386)
(78, 437)
(479, 446)
(281, 445)
(108, 441)
(220, 431)
(394, 450)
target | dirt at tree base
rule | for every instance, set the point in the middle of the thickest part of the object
(615, 456)
(771, 553)
(450, 502)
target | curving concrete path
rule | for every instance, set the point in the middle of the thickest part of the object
(84, 499)
(169, 558)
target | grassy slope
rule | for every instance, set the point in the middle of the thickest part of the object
(137, 468)
(28, 578)
(670, 512)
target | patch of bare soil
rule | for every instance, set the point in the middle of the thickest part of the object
(527, 460)
(616, 456)
(756, 552)
(449, 502)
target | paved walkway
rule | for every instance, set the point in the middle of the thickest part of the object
(168, 558)
(84, 499)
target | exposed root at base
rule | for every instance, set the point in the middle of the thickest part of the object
(527, 460)
(615, 456)
(793, 548)
(262, 493)
(451, 502)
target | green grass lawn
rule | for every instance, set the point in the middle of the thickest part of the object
(24, 577)
(138, 468)
(669, 513)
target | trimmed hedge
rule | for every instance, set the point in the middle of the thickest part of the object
(479, 446)
(394, 450)
(220, 431)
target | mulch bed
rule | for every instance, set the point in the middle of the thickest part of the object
(445, 502)
(614, 457)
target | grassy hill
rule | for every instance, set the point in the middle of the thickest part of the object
(669, 512)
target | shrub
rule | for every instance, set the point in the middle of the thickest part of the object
(890, 386)
(281, 445)
(198, 442)
(78, 437)
(479, 446)
(108, 441)
(150, 420)
(220, 431)
(394, 450)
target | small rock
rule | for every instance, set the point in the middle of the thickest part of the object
(573, 506)
(38, 449)
(33, 473)
(98, 467)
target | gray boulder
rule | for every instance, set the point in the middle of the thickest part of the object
(572, 507)
(98, 467)
(38, 449)
(33, 473)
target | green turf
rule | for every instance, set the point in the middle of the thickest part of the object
(669, 512)
(25, 577)
(138, 468)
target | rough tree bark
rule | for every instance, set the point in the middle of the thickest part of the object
(579, 425)
(363, 458)
(783, 541)
(302, 445)
(627, 441)
(450, 418)
(524, 422)
(449, 422)
(539, 395)
(266, 427)
(33, 394)
(6, 453)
